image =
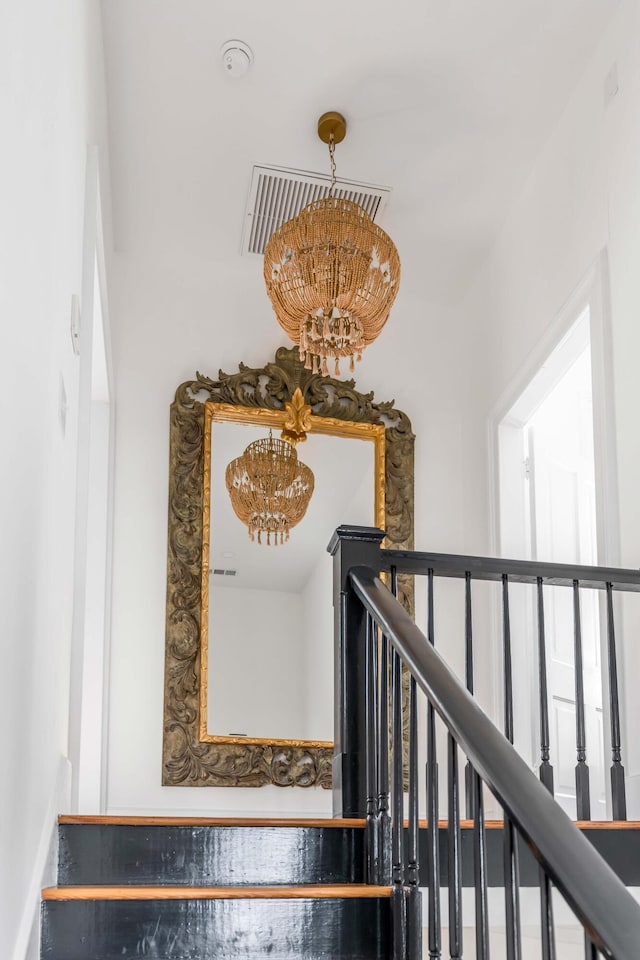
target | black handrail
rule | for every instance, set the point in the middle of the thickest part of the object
(518, 571)
(601, 902)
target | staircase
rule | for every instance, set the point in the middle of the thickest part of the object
(195, 888)
(349, 888)
(177, 888)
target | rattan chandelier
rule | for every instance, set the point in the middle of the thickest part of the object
(331, 273)
(270, 489)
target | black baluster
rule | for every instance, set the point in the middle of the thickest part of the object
(433, 843)
(511, 866)
(480, 871)
(506, 657)
(546, 770)
(469, 774)
(400, 905)
(384, 817)
(512, 892)
(455, 865)
(431, 626)
(583, 801)
(371, 669)
(414, 897)
(397, 793)
(547, 929)
(618, 793)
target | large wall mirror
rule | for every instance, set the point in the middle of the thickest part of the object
(249, 644)
(267, 616)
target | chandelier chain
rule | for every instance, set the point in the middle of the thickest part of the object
(332, 159)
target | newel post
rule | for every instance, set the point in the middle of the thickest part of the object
(350, 547)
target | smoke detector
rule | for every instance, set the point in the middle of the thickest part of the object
(237, 58)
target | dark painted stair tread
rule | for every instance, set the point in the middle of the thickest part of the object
(353, 891)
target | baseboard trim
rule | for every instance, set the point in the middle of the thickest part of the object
(58, 800)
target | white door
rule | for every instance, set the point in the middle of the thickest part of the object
(561, 478)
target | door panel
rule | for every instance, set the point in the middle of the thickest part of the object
(562, 730)
(562, 494)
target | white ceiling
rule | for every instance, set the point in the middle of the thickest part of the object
(446, 102)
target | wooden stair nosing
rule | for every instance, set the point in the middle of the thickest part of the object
(312, 822)
(126, 821)
(350, 891)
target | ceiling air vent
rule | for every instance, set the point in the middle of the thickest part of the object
(217, 572)
(277, 194)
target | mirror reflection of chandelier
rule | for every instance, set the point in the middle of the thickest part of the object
(331, 273)
(270, 489)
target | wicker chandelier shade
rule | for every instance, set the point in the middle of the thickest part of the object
(270, 489)
(332, 276)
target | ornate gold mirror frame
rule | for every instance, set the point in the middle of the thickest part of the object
(191, 757)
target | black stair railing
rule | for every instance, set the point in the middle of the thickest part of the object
(376, 641)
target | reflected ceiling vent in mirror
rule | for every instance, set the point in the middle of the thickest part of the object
(278, 194)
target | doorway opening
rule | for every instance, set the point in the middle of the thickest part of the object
(88, 691)
(548, 512)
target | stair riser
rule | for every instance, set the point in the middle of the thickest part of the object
(209, 856)
(231, 855)
(620, 848)
(202, 929)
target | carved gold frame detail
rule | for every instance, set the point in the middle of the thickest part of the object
(191, 756)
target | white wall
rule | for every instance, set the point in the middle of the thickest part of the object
(447, 365)
(168, 323)
(164, 330)
(256, 663)
(50, 101)
(582, 197)
(317, 614)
